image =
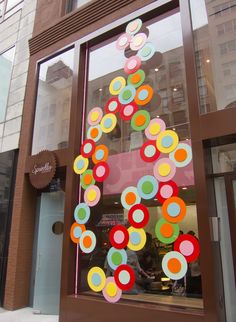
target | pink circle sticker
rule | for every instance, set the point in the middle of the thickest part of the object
(119, 236)
(186, 248)
(166, 191)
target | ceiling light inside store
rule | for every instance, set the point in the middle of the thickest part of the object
(100, 89)
(175, 89)
(116, 203)
(184, 188)
(156, 69)
(208, 61)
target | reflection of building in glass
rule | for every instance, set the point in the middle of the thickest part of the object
(215, 45)
(53, 108)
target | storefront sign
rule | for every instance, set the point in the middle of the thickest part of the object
(43, 169)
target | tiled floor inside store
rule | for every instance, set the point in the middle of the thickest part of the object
(25, 315)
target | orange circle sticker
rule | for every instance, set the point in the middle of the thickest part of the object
(174, 209)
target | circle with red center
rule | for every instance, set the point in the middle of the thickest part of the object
(127, 111)
(87, 148)
(138, 216)
(174, 265)
(101, 171)
(188, 246)
(166, 190)
(119, 237)
(132, 64)
(112, 106)
(124, 277)
(149, 151)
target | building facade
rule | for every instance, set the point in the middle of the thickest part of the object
(166, 137)
(16, 27)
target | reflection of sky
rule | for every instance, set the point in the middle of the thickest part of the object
(9, 54)
(166, 35)
(67, 58)
(199, 13)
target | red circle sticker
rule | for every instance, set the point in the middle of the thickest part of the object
(101, 171)
(138, 216)
(127, 111)
(87, 148)
(124, 277)
(113, 105)
(149, 151)
(166, 190)
(188, 246)
(119, 237)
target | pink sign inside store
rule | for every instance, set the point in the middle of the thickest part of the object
(127, 168)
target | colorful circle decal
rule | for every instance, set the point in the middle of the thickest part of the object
(138, 216)
(82, 213)
(123, 41)
(174, 209)
(174, 265)
(188, 246)
(182, 155)
(116, 257)
(138, 41)
(87, 241)
(167, 141)
(130, 197)
(140, 120)
(166, 232)
(146, 52)
(127, 111)
(132, 64)
(111, 292)
(137, 238)
(100, 154)
(137, 78)
(76, 232)
(149, 152)
(94, 133)
(134, 26)
(87, 148)
(101, 171)
(112, 106)
(87, 179)
(80, 164)
(155, 127)
(147, 187)
(143, 95)
(116, 85)
(96, 279)
(108, 122)
(166, 190)
(127, 94)
(92, 195)
(119, 237)
(124, 277)
(164, 169)
(95, 116)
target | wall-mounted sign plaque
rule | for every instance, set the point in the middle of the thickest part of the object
(42, 169)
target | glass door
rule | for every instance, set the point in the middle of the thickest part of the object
(48, 254)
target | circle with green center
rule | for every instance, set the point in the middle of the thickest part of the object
(138, 75)
(84, 179)
(134, 122)
(82, 213)
(147, 187)
(116, 257)
(127, 94)
(146, 52)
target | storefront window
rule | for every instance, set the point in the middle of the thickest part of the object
(75, 4)
(214, 26)
(51, 127)
(6, 63)
(164, 72)
(224, 158)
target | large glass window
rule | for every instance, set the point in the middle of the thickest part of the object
(165, 74)
(6, 7)
(6, 63)
(51, 127)
(214, 26)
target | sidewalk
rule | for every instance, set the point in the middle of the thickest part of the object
(25, 315)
